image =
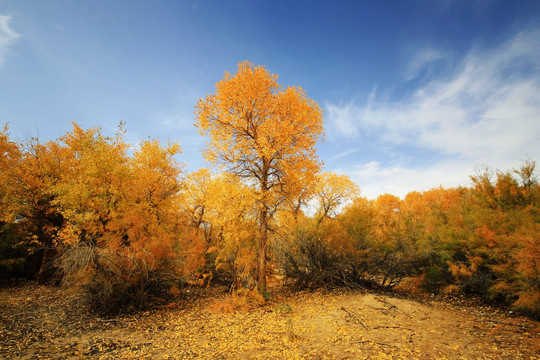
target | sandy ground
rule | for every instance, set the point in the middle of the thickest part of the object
(40, 322)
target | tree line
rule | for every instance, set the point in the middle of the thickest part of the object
(128, 223)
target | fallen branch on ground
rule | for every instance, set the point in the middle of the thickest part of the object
(354, 317)
(392, 306)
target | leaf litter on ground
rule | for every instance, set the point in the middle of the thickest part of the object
(48, 323)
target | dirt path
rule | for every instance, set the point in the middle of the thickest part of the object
(45, 323)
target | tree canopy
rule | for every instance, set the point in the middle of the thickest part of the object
(264, 134)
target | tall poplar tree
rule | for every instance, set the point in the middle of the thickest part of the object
(265, 134)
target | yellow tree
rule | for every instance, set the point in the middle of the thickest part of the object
(334, 191)
(10, 156)
(264, 134)
(231, 216)
(195, 194)
(148, 215)
(117, 202)
(26, 202)
(124, 236)
(303, 194)
(90, 189)
(40, 169)
(388, 218)
(10, 159)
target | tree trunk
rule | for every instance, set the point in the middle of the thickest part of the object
(263, 239)
(263, 227)
(47, 269)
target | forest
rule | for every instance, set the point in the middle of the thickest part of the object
(128, 226)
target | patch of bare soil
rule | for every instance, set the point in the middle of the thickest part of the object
(39, 322)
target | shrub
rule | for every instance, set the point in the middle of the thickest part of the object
(116, 282)
(313, 262)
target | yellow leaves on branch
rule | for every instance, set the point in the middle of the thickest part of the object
(113, 200)
(10, 157)
(333, 191)
(264, 134)
(259, 130)
(92, 189)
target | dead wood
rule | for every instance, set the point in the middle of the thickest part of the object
(392, 306)
(354, 317)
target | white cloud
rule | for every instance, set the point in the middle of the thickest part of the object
(343, 119)
(375, 179)
(8, 37)
(345, 154)
(485, 111)
(423, 60)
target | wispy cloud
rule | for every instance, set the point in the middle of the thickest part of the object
(423, 60)
(344, 117)
(8, 37)
(178, 112)
(485, 111)
(345, 154)
(375, 178)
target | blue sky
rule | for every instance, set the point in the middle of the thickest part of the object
(416, 94)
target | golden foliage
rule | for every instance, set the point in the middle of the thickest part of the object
(135, 203)
(10, 156)
(265, 135)
(332, 192)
